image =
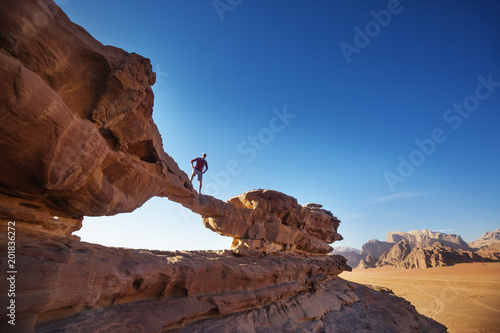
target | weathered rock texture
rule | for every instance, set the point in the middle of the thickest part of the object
(77, 133)
(97, 289)
(396, 254)
(77, 138)
(435, 255)
(282, 224)
(267, 221)
(102, 282)
(490, 252)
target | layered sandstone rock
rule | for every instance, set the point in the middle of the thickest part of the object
(267, 221)
(397, 254)
(435, 255)
(97, 289)
(77, 138)
(283, 224)
(491, 251)
(90, 284)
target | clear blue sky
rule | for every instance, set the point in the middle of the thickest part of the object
(385, 112)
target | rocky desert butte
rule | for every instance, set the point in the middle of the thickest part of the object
(464, 297)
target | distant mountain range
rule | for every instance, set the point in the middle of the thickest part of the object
(488, 238)
(422, 249)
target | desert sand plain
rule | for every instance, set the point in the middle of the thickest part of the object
(464, 297)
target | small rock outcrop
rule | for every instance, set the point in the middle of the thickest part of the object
(352, 255)
(368, 262)
(282, 224)
(77, 138)
(490, 252)
(397, 254)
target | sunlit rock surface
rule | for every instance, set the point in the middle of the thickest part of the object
(77, 139)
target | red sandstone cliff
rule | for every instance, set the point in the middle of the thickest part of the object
(77, 138)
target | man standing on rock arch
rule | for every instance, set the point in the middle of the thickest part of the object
(198, 168)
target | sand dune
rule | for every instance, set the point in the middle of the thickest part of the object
(464, 297)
